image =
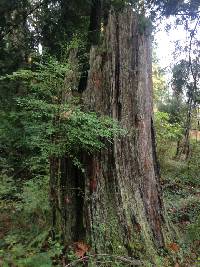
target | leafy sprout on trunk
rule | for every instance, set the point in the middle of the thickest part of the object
(55, 123)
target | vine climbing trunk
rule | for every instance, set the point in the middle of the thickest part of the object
(123, 200)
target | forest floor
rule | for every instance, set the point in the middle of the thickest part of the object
(182, 200)
(23, 234)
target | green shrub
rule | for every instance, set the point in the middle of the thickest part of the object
(54, 122)
(166, 134)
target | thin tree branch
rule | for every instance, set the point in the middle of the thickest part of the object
(127, 260)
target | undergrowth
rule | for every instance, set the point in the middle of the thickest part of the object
(181, 184)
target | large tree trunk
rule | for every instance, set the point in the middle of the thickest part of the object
(123, 197)
(117, 206)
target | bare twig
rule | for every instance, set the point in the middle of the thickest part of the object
(127, 260)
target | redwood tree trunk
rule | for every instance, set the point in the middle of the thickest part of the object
(120, 210)
(123, 197)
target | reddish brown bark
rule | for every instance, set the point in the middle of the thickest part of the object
(126, 174)
(120, 209)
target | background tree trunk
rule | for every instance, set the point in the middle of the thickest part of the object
(123, 201)
(183, 146)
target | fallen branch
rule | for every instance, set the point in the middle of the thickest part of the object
(128, 260)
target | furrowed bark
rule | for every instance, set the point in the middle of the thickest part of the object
(116, 206)
(126, 198)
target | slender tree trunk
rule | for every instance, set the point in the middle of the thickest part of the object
(183, 146)
(178, 147)
(186, 144)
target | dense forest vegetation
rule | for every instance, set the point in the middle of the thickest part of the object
(99, 149)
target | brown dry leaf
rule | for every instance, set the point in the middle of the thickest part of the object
(81, 248)
(66, 114)
(173, 247)
(67, 200)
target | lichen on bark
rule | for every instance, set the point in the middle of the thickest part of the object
(128, 189)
